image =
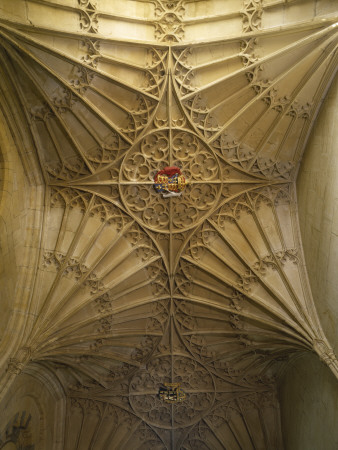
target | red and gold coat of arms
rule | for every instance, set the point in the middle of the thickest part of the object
(170, 182)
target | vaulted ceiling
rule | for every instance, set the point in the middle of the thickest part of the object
(132, 290)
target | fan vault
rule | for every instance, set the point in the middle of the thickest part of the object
(132, 290)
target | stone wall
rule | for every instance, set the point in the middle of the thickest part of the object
(308, 391)
(317, 187)
(308, 399)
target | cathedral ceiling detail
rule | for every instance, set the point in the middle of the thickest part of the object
(133, 290)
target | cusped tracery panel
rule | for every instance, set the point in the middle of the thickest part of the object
(237, 425)
(250, 108)
(198, 164)
(101, 288)
(255, 283)
(194, 379)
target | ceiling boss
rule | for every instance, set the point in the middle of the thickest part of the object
(172, 393)
(170, 182)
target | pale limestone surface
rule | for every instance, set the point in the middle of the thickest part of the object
(31, 412)
(21, 212)
(308, 392)
(317, 190)
(120, 290)
(309, 398)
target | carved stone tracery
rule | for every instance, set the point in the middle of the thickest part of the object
(168, 20)
(252, 15)
(134, 290)
(88, 16)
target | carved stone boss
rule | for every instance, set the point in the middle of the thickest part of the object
(170, 182)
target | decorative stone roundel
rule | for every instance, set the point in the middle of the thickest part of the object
(166, 148)
(195, 380)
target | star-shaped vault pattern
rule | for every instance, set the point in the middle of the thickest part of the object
(133, 290)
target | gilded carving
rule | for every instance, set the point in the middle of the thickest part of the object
(170, 182)
(171, 393)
